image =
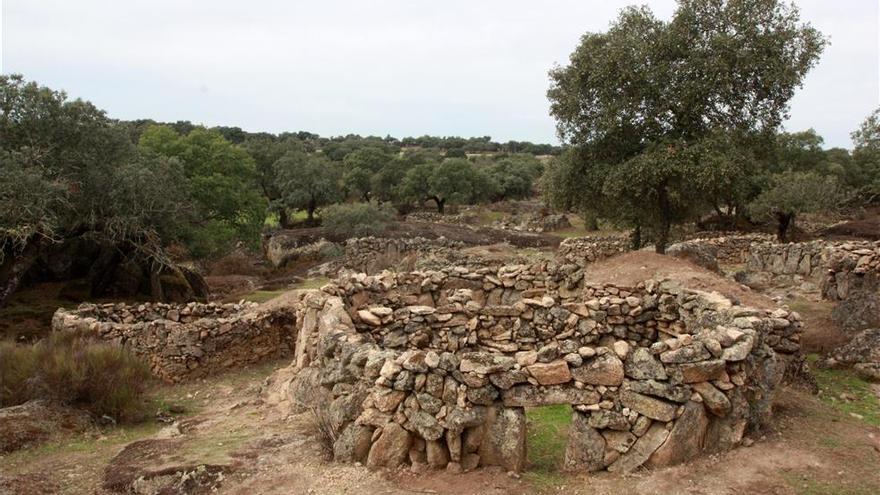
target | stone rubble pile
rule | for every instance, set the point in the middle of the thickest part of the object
(434, 369)
(186, 340)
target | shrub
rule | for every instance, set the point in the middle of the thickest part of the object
(99, 377)
(356, 219)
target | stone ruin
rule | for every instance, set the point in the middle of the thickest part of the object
(181, 341)
(436, 368)
(847, 273)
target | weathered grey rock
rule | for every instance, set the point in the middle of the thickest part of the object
(641, 450)
(437, 455)
(504, 442)
(685, 441)
(686, 354)
(700, 254)
(530, 396)
(620, 441)
(458, 418)
(702, 371)
(606, 369)
(642, 365)
(552, 373)
(353, 444)
(648, 406)
(426, 425)
(507, 379)
(716, 402)
(675, 393)
(608, 419)
(586, 447)
(391, 449)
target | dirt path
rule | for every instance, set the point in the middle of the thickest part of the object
(815, 449)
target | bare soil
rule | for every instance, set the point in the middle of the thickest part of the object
(631, 268)
(258, 448)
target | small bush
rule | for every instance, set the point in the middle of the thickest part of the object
(99, 377)
(356, 219)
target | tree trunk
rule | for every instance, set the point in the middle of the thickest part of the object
(665, 222)
(310, 212)
(785, 220)
(441, 203)
(283, 218)
(13, 270)
(636, 238)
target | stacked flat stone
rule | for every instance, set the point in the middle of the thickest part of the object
(593, 248)
(435, 368)
(730, 248)
(186, 340)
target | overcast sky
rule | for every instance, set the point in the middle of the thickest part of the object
(404, 68)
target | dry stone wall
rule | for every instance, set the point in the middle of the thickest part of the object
(188, 340)
(436, 368)
(593, 248)
(846, 272)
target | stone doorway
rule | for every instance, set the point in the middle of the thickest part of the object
(547, 433)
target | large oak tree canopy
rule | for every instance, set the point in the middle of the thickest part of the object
(637, 101)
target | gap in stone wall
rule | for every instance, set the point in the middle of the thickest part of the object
(547, 431)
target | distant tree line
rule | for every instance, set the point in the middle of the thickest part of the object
(68, 172)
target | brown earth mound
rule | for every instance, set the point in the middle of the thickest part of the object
(867, 229)
(631, 268)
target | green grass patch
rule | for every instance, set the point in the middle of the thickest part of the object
(803, 484)
(488, 217)
(847, 393)
(546, 438)
(262, 296)
(312, 283)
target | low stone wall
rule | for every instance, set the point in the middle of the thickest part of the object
(436, 368)
(593, 248)
(853, 280)
(729, 248)
(846, 272)
(807, 259)
(189, 340)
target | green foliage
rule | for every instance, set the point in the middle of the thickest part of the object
(514, 176)
(858, 397)
(307, 182)
(99, 377)
(222, 182)
(70, 171)
(358, 182)
(646, 84)
(455, 180)
(356, 219)
(793, 193)
(866, 154)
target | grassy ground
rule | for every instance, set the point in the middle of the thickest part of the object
(848, 393)
(261, 296)
(545, 442)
